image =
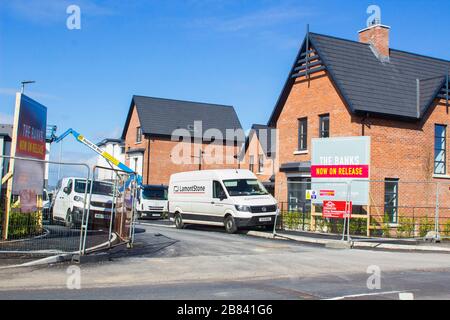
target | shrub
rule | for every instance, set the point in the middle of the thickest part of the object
(407, 227)
(22, 225)
(426, 225)
(447, 228)
(386, 226)
(358, 227)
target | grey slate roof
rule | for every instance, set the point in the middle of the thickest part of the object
(110, 140)
(369, 85)
(160, 117)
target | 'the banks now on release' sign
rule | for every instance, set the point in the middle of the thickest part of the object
(336, 161)
(30, 125)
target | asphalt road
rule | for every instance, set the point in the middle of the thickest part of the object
(206, 263)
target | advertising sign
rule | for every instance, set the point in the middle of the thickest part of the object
(310, 194)
(30, 126)
(337, 209)
(336, 161)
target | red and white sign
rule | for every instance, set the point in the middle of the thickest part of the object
(340, 171)
(337, 209)
(327, 193)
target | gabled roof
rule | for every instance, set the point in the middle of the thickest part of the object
(266, 138)
(160, 117)
(370, 85)
(110, 140)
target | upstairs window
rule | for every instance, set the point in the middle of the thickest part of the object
(138, 135)
(440, 144)
(324, 126)
(251, 164)
(260, 163)
(302, 134)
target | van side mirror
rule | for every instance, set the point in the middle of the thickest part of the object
(66, 190)
(222, 196)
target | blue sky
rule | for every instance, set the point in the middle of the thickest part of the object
(228, 52)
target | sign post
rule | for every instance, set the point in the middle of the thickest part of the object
(26, 178)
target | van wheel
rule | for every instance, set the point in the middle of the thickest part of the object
(69, 220)
(179, 221)
(230, 225)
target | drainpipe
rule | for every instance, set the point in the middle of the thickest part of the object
(418, 97)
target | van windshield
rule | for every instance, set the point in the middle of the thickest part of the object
(101, 188)
(244, 187)
(154, 194)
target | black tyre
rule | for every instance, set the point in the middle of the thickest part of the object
(179, 224)
(70, 223)
(230, 225)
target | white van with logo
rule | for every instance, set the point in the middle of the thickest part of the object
(230, 198)
(152, 201)
(69, 202)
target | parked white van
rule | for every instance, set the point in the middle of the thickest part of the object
(152, 201)
(230, 198)
(69, 202)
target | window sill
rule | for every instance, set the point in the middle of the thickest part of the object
(301, 152)
(441, 176)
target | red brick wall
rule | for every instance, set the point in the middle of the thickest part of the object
(398, 149)
(310, 99)
(254, 149)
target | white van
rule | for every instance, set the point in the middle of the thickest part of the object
(230, 198)
(69, 202)
(152, 201)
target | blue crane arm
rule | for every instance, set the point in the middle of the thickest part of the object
(80, 138)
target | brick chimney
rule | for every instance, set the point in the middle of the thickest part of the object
(378, 36)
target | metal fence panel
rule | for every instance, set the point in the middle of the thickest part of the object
(34, 225)
(396, 209)
(111, 209)
(300, 211)
(443, 222)
(400, 209)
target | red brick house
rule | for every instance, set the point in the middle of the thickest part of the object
(157, 131)
(259, 154)
(340, 88)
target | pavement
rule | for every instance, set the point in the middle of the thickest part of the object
(335, 241)
(56, 240)
(207, 263)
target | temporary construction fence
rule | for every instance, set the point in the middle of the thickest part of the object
(394, 209)
(122, 205)
(77, 215)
